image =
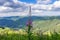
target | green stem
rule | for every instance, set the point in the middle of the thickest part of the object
(29, 32)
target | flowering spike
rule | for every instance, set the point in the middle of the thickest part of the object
(29, 23)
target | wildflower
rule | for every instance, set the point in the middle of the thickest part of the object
(29, 23)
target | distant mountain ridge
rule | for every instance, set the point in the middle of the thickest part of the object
(19, 22)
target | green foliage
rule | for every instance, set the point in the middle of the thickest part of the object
(8, 34)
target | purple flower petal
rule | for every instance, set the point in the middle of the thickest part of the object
(29, 23)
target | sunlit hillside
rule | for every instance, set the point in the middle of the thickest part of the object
(46, 25)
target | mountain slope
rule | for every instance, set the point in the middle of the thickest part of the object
(20, 22)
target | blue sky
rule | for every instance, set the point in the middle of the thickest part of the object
(28, 1)
(33, 1)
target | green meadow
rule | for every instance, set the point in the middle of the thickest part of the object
(41, 30)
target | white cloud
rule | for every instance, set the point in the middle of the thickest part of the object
(42, 7)
(44, 1)
(14, 14)
(17, 8)
(2, 8)
(49, 7)
(56, 4)
(46, 13)
(15, 1)
(46, 10)
(12, 6)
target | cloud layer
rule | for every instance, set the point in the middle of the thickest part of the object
(18, 8)
(12, 6)
(44, 1)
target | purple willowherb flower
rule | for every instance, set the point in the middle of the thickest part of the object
(29, 23)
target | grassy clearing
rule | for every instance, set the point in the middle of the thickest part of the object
(41, 30)
(9, 34)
